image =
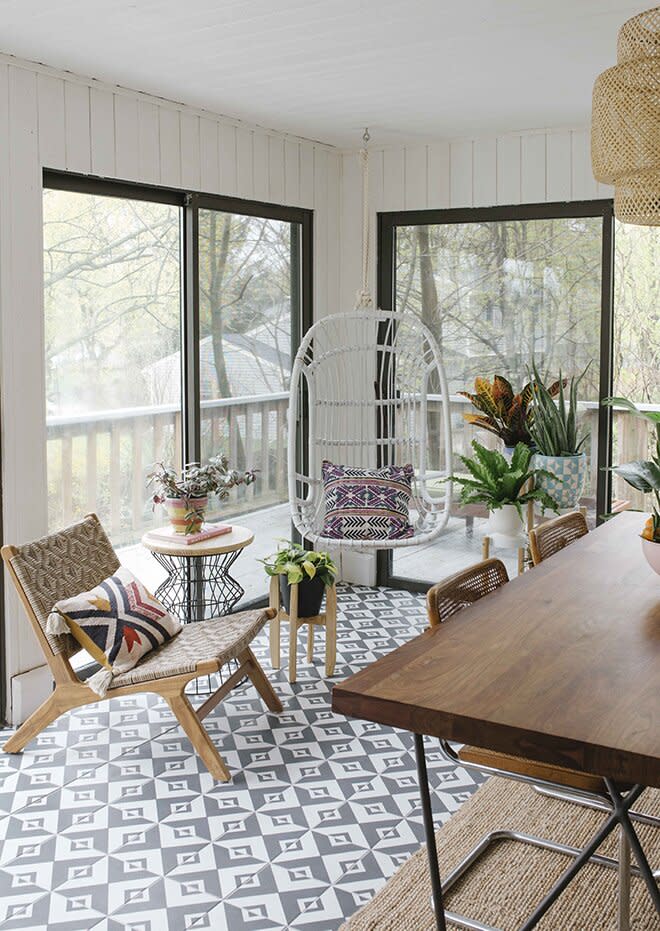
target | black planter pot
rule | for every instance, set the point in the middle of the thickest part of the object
(310, 596)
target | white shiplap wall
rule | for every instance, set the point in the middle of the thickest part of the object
(54, 120)
(516, 168)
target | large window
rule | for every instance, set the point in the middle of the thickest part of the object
(503, 287)
(170, 321)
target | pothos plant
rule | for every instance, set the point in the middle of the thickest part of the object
(496, 482)
(644, 474)
(297, 564)
(503, 411)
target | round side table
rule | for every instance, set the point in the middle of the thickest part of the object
(199, 584)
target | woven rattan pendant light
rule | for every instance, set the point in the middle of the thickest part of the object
(625, 129)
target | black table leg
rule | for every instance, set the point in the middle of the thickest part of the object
(429, 830)
(621, 808)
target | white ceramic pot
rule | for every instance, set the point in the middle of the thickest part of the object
(505, 521)
(651, 551)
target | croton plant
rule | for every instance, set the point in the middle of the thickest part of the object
(502, 411)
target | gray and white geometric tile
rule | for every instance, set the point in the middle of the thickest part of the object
(109, 822)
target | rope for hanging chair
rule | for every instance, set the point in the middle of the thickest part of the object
(363, 296)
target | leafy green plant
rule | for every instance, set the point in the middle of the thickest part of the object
(297, 563)
(643, 474)
(553, 426)
(197, 481)
(494, 481)
(503, 412)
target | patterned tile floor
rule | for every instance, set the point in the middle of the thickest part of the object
(109, 822)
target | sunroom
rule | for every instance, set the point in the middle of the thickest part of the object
(330, 461)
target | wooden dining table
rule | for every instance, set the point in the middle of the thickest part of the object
(561, 666)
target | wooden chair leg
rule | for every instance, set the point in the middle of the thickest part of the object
(485, 548)
(260, 680)
(275, 623)
(330, 629)
(194, 729)
(293, 633)
(310, 643)
(45, 714)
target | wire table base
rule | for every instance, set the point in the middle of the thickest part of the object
(198, 588)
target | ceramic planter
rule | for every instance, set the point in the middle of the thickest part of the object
(651, 551)
(505, 521)
(186, 514)
(571, 472)
(310, 596)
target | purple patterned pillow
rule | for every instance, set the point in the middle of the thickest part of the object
(367, 504)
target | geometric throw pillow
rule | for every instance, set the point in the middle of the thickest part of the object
(117, 622)
(367, 504)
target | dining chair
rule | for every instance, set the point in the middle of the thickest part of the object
(553, 535)
(446, 599)
(76, 559)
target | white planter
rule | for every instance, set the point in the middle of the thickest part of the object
(651, 551)
(506, 522)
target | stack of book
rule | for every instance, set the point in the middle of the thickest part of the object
(208, 531)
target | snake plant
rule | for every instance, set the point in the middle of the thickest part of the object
(553, 426)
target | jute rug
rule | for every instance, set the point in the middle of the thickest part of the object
(503, 887)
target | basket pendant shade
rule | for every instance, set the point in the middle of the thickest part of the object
(625, 126)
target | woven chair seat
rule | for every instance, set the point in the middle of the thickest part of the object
(571, 778)
(216, 640)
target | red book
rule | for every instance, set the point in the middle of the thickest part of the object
(207, 532)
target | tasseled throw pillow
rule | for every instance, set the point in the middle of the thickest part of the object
(117, 623)
(367, 504)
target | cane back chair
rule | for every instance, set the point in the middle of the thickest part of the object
(448, 598)
(553, 535)
(78, 558)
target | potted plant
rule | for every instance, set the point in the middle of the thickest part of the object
(503, 486)
(553, 427)
(502, 412)
(185, 494)
(312, 570)
(644, 475)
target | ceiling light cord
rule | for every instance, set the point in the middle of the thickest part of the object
(363, 297)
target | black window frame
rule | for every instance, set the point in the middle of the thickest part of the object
(191, 202)
(387, 222)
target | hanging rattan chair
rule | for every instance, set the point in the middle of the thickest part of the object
(368, 389)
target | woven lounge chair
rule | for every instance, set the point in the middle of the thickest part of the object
(78, 558)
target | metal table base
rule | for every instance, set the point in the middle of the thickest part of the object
(618, 817)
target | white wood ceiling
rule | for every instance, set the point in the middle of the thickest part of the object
(323, 68)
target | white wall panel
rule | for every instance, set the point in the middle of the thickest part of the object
(484, 173)
(438, 175)
(460, 174)
(77, 127)
(532, 168)
(50, 119)
(508, 170)
(415, 177)
(102, 132)
(558, 148)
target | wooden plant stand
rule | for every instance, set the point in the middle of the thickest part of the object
(327, 619)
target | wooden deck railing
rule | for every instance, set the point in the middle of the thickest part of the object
(99, 461)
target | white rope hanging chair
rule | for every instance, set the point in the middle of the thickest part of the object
(360, 384)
